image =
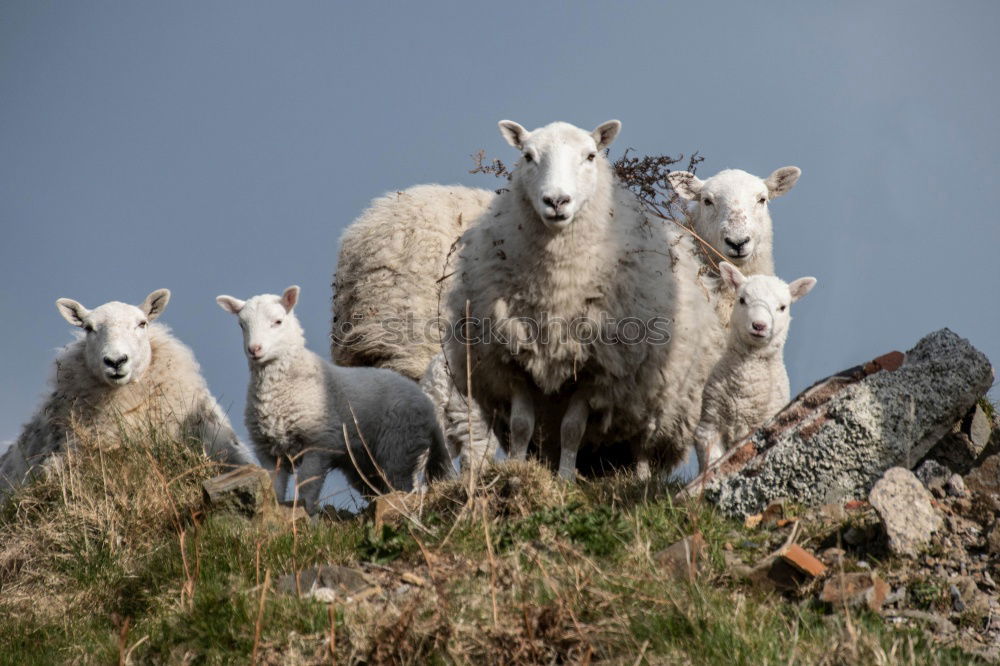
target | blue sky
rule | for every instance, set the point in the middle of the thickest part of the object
(222, 147)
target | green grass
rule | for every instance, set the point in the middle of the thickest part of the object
(527, 570)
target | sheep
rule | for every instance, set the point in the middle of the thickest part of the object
(749, 384)
(125, 372)
(388, 279)
(302, 409)
(549, 274)
(730, 212)
(468, 436)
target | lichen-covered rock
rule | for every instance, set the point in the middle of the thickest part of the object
(904, 505)
(837, 438)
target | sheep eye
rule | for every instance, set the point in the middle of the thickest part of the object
(762, 200)
(528, 157)
(591, 157)
(88, 328)
(782, 308)
(142, 324)
(277, 322)
(743, 301)
(708, 202)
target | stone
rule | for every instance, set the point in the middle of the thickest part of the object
(932, 474)
(802, 560)
(855, 589)
(955, 486)
(941, 624)
(682, 559)
(904, 505)
(329, 581)
(839, 436)
(968, 439)
(985, 479)
(246, 490)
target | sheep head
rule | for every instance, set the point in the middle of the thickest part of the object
(270, 327)
(761, 315)
(116, 335)
(557, 172)
(730, 209)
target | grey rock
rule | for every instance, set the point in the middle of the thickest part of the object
(904, 506)
(966, 442)
(343, 580)
(932, 474)
(245, 490)
(956, 486)
(840, 435)
(957, 604)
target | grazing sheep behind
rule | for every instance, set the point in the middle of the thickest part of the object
(749, 384)
(475, 447)
(126, 373)
(298, 406)
(388, 280)
(550, 272)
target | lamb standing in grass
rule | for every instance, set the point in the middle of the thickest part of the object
(749, 384)
(298, 406)
(126, 375)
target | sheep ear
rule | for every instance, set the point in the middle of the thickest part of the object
(513, 133)
(732, 275)
(801, 287)
(686, 185)
(290, 297)
(155, 303)
(781, 181)
(230, 304)
(72, 311)
(606, 133)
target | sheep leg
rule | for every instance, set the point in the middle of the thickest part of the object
(522, 423)
(309, 477)
(574, 423)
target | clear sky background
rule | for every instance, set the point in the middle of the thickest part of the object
(222, 147)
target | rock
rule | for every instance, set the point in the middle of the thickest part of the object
(966, 442)
(855, 589)
(966, 596)
(787, 568)
(682, 559)
(941, 624)
(904, 505)
(932, 474)
(985, 479)
(837, 438)
(245, 490)
(327, 583)
(802, 560)
(993, 540)
(832, 555)
(956, 486)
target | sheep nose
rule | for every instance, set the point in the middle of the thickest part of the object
(557, 201)
(737, 244)
(254, 350)
(759, 326)
(115, 363)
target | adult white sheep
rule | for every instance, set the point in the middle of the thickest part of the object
(300, 407)
(388, 281)
(749, 384)
(125, 373)
(560, 269)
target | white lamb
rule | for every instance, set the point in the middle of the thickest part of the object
(559, 277)
(749, 384)
(128, 374)
(300, 408)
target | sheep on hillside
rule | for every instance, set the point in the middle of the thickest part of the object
(301, 410)
(124, 374)
(386, 290)
(749, 384)
(565, 281)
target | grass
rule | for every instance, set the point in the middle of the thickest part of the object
(110, 557)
